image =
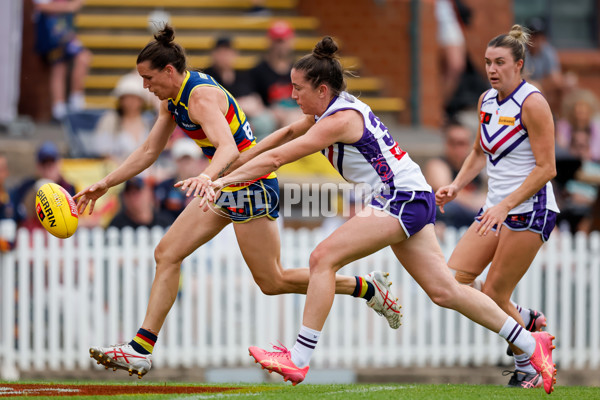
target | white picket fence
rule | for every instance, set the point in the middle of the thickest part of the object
(59, 297)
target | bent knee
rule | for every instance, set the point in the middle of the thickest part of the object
(269, 286)
(445, 296)
(442, 299)
(164, 257)
(320, 260)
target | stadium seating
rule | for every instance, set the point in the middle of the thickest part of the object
(115, 31)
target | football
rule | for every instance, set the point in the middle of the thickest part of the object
(56, 210)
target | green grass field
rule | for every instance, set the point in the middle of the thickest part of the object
(343, 392)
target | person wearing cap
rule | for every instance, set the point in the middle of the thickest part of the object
(120, 131)
(271, 77)
(188, 159)
(137, 207)
(47, 169)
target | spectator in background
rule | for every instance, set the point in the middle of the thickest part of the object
(119, 132)
(6, 207)
(271, 81)
(580, 191)
(223, 69)
(543, 65)
(579, 113)
(7, 213)
(188, 161)
(451, 41)
(258, 9)
(461, 83)
(443, 170)
(47, 170)
(138, 207)
(57, 43)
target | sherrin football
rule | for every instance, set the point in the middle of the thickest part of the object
(56, 210)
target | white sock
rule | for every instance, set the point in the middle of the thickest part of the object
(477, 284)
(522, 364)
(77, 101)
(523, 311)
(59, 111)
(517, 335)
(305, 346)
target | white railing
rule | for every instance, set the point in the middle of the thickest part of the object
(59, 297)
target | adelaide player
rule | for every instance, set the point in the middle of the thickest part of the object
(210, 115)
(400, 215)
(516, 144)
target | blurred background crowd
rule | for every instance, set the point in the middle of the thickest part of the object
(72, 106)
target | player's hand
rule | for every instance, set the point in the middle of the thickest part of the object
(89, 196)
(444, 195)
(493, 216)
(212, 193)
(195, 185)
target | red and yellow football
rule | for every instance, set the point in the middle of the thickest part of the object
(56, 210)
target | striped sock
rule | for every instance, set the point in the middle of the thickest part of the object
(143, 342)
(523, 364)
(524, 312)
(517, 335)
(305, 345)
(364, 288)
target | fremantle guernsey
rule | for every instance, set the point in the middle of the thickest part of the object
(238, 123)
(375, 159)
(505, 141)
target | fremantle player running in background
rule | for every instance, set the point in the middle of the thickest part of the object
(401, 213)
(212, 117)
(516, 143)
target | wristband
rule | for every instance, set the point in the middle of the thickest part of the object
(206, 176)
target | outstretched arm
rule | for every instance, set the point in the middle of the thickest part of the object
(139, 160)
(339, 127)
(275, 139)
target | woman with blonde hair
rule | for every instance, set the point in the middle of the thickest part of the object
(515, 142)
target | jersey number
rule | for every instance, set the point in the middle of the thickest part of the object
(248, 131)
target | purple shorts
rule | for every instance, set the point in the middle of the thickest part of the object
(413, 209)
(539, 221)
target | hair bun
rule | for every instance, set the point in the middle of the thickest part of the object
(166, 35)
(325, 48)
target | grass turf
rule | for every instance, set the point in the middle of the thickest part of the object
(344, 392)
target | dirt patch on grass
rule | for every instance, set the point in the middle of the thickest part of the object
(11, 390)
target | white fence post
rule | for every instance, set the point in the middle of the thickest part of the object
(60, 297)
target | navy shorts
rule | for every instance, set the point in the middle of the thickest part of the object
(259, 199)
(65, 52)
(413, 209)
(539, 221)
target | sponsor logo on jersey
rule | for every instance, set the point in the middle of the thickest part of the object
(485, 117)
(510, 121)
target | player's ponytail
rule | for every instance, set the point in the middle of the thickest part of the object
(163, 50)
(323, 66)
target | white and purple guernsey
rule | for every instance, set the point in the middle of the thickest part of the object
(375, 159)
(505, 141)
